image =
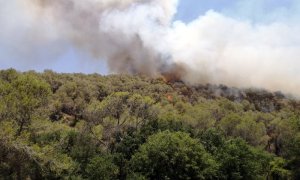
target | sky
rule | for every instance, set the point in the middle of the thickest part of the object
(73, 60)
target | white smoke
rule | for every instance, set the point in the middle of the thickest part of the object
(219, 49)
(139, 36)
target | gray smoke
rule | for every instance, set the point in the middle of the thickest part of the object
(140, 37)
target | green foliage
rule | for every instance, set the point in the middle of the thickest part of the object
(246, 126)
(76, 126)
(241, 161)
(8, 75)
(168, 155)
(278, 169)
(102, 167)
(21, 159)
(213, 140)
(25, 95)
(294, 155)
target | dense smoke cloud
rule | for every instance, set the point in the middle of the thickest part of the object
(140, 37)
(224, 50)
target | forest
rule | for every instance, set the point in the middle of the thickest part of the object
(79, 126)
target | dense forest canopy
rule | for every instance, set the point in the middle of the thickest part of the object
(76, 126)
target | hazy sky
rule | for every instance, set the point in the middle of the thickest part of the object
(72, 60)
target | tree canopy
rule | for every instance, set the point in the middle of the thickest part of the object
(77, 126)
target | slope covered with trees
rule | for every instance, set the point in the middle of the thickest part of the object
(76, 126)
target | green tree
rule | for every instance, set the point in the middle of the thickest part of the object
(102, 168)
(22, 159)
(5, 89)
(141, 109)
(26, 95)
(241, 161)
(115, 106)
(9, 75)
(294, 155)
(278, 169)
(72, 98)
(246, 126)
(213, 140)
(168, 155)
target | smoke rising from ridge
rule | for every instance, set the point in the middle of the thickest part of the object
(140, 37)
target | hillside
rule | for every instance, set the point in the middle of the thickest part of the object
(76, 126)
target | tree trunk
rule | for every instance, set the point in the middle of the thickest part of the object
(19, 131)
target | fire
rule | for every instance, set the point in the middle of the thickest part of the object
(169, 97)
(174, 73)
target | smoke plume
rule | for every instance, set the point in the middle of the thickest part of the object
(140, 37)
